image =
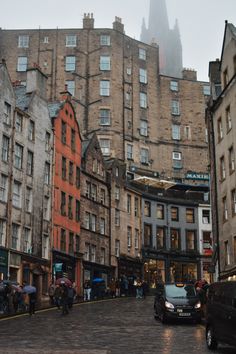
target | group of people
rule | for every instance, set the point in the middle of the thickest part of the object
(128, 287)
(62, 295)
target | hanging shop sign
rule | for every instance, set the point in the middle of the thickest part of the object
(197, 176)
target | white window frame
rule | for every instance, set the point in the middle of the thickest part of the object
(22, 63)
(117, 248)
(70, 63)
(228, 119)
(143, 128)
(18, 156)
(174, 85)
(105, 63)
(105, 116)
(105, 39)
(71, 86)
(143, 100)
(103, 256)
(15, 236)
(117, 217)
(45, 246)
(129, 237)
(93, 222)
(71, 40)
(16, 194)
(175, 132)
(93, 253)
(175, 109)
(23, 41)
(7, 113)
(117, 193)
(144, 155)
(26, 240)
(87, 220)
(5, 148)
(129, 152)
(105, 145)
(105, 88)
(47, 172)
(30, 163)
(28, 200)
(3, 187)
(87, 252)
(19, 122)
(143, 76)
(3, 226)
(31, 128)
(142, 54)
(102, 226)
(136, 239)
(46, 208)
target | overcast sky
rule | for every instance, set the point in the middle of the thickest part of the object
(201, 22)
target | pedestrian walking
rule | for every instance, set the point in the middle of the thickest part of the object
(64, 299)
(57, 296)
(51, 292)
(87, 290)
(112, 287)
(32, 303)
(71, 295)
(144, 288)
(117, 287)
(139, 290)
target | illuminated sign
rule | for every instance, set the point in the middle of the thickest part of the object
(197, 176)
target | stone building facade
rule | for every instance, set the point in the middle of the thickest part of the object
(220, 113)
(95, 236)
(118, 92)
(25, 199)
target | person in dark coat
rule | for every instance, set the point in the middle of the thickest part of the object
(32, 303)
(64, 299)
(71, 295)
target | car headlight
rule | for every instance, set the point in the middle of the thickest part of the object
(169, 305)
(198, 305)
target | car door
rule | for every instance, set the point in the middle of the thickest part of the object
(230, 314)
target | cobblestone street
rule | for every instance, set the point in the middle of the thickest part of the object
(117, 326)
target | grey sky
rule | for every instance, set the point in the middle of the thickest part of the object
(201, 22)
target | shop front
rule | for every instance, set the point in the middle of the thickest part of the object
(95, 270)
(64, 265)
(130, 267)
(3, 263)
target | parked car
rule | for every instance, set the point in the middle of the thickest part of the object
(177, 301)
(221, 314)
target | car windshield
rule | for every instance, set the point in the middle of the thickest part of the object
(180, 291)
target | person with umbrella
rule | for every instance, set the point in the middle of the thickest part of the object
(64, 298)
(32, 293)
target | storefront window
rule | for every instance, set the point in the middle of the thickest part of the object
(182, 272)
(154, 272)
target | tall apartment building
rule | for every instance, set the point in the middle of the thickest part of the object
(153, 123)
(221, 111)
(25, 180)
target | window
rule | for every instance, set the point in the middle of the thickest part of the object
(63, 168)
(31, 130)
(77, 243)
(129, 152)
(160, 237)
(225, 209)
(45, 40)
(63, 240)
(28, 200)
(5, 148)
(142, 54)
(147, 235)
(3, 187)
(233, 202)
(71, 242)
(143, 100)
(87, 252)
(144, 156)
(77, 210)
(129, 71)
(174, 213)
(117, 193)
(70, 207)
(228, 119)
(72, 139)
(187, 132)
(190, 240)
(189, 215)
(143, 128)
(147, 208)
(30, 163)
(71, 41)
(93, 222)
(46, 207)
(225, 77)
(174, 85)
(117, 217)
(103, 256)
(160, 211)
(206, 216)
(206, 90)
(102, 226)
(94, 192)
(47, 141)
(105, 116)
(128, 203)
(26, 240)
(136, 207)
(136, 239)
(105, 62)
(86, 220)
(175, 239)
(18, 122)
(177, 160)
(18, 156)
(143, 76)
(102, 196)
(77, 177)
(16, 196)
(93, 253)
(227, 253)
(129, 237)
(88, 189)
(222, 168)
(14, 236)
(7, 113)
(63, 203)
(175, 108)
(70, 63)
(105, 146)
(117, 248)
(70, 87)
(105, 40)
(231, 160)
(47, 173)
(175, 132)
(2, 232)
(22, 63)
(23, 41)
(104, 88)
(71, 172)
(220, 129)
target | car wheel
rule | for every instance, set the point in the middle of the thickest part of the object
(163, 318)
(210, 338)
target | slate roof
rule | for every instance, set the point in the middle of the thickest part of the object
(54, 108)
(22, 98)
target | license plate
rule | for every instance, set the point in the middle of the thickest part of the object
(185, 314)
(179, 310)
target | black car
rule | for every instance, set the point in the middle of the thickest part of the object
(177, 301)
(221, 314)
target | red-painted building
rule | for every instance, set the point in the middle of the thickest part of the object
(66, 258)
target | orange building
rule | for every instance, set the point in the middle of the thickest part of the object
(66, 258)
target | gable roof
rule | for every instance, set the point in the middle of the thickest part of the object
(229, 33)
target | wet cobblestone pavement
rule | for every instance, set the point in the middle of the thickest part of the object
(119, 326)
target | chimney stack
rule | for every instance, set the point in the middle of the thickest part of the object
(88, 21)
(118, 25)
(36, 81)
(189, 74)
